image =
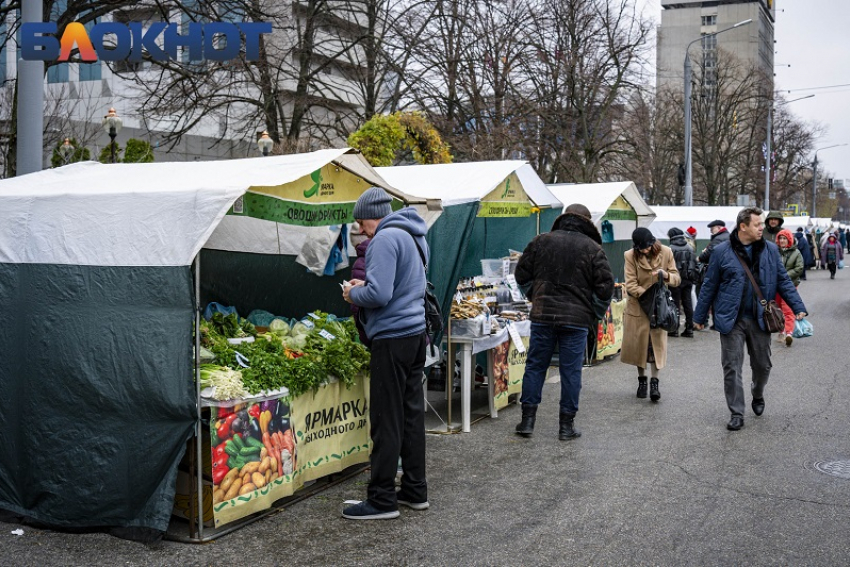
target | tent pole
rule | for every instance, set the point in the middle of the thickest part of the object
(198, 439)
(538, 223)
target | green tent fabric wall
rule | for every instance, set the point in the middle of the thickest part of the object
(97, 377)
(449, 241)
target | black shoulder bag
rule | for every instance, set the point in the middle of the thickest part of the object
(774, 319)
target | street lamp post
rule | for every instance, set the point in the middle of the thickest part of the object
(815, 178)
(689, 189)
(112, 125)
(265, 143)
(767, 153)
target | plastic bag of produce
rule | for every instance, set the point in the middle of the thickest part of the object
(279, 327)
(260, 318)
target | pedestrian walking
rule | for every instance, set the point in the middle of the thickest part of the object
(642, 346)
(792, 260)
(686, 264)
(393, 300)
(738, 309)
(719, 235)
(571, 288)
(805, 250)
(831, 254)
(847, 238)
(691, 235)
(842, 238)
(773, 224)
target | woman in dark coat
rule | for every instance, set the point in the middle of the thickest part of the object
(358, 272)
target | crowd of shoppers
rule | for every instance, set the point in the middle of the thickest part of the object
(571, 285)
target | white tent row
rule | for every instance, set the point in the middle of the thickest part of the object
(155, 214)
(685, 217)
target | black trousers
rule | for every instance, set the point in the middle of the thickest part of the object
(397, 413)
(684, 302)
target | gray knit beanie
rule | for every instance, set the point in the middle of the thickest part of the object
(373, 204)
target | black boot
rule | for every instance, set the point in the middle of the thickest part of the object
(566, 431)
(641, 393)
(529, 415)
(654, 394)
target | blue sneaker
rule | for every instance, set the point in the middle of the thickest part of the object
(365, 511)
(419, 506)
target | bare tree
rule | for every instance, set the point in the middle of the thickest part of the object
(651, 146)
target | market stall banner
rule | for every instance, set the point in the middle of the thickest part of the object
(325, 197)
(265, 451)
(499, 372)
(516, 366)
(507, 371)
(609, 338)
(508, 199)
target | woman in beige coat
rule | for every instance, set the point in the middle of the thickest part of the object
(643, 346)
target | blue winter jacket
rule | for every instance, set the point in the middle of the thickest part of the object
(723, 287)
(393, 298)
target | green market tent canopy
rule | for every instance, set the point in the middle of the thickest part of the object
(487, 208)
(98, 298)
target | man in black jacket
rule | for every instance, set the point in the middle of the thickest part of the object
(571, 288)
(686, 264)
(719, 235)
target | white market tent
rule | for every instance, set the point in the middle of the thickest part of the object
(457, 183)
(153, 214)
(603, 198)
(793, 223)
(99, 300)
(697, 217)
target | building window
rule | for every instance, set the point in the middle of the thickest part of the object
(709, 20)
(90, 71)
(58, 73)
(709, 42)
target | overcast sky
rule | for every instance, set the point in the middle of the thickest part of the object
(811, 38)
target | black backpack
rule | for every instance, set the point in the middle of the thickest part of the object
(683, 264)
(433, 313)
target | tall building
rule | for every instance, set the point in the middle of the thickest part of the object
(683, 21)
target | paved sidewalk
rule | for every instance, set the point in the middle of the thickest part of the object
(647, 484)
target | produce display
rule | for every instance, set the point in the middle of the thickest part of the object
(252, 446)
(299, 358)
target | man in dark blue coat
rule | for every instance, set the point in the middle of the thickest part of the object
(738, 314)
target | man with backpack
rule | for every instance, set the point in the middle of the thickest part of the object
(393, 301)
(687, 266)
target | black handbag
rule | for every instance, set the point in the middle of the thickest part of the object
(774, 319)
(657, 302)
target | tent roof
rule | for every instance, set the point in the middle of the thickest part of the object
(146, 214)
(697, 217)
(456, 183)
(598, 197)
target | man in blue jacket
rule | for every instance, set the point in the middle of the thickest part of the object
(393, 301)
(738, 312)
